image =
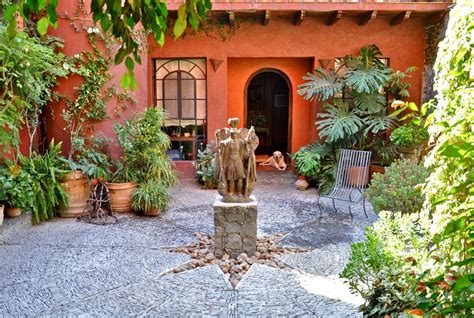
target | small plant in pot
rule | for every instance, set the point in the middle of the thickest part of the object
(144, 145)
(205, 166)
(412, 136)
(17, 189)
(150, 197)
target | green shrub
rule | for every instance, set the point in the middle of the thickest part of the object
(150, 194)
(409, 136)
(205, 166)
(397, 189)
(317, 162)
(145, 147)
(381, 268)
(16, 186)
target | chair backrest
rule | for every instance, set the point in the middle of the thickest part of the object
(352, 170)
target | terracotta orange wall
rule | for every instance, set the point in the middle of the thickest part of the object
(241, 70)
(76, 42)
(293, 50)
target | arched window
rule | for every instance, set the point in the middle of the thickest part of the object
(180, 89)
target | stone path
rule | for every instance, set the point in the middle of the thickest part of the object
(72, 268)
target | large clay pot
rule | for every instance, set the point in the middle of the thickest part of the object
(13, 212)
(77, 188)
(358, 176)
(2, 207)
(376, 169)
(301, 183)
(152, 212)
(120, 195)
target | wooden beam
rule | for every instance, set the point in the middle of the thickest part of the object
(399, 18)
(300, 17)
(334, 17)
(368, 17)
(266, 17)
(231, 18)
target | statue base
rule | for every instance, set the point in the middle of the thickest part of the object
(235, 227)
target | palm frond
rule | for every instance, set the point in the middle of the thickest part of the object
(366, 81)
(339, 121)
(321, 85)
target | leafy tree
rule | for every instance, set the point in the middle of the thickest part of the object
(449, 190)
(121, 18)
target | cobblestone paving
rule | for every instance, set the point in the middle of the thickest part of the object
(69, 268)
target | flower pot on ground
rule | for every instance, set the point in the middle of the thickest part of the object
(77, 188)
(13, 212)
(375, 168)
(120, 195)
(301, 184)
(150, 197)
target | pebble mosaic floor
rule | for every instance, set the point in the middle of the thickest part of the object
(70, 268)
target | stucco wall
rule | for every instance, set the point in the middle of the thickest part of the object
(281, 45)
(294, 50)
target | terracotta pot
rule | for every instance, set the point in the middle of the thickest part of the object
(13, 212)
(376, 169)
(77, 188)
(2, 207)
(152, 212)
(409, 154)
(121, 196)
(301, 184)
(358, 176)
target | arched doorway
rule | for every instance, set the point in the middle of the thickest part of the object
(268, 110)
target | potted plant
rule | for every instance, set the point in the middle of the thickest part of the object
(150, 197)
(17, 187)
(205, 166)
(412, 136)
(410, 139)
(122, 186)
(144, 145)
(308, 162)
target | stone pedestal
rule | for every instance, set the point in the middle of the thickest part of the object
(235, 227)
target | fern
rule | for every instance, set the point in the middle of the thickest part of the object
(46, 171)
(321, 85)
(339, 121)
(371, 103)
(366, 81)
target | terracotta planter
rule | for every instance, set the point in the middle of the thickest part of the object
(376, 169)
(77, 188)
(301, 184)
(2, 208)
(152, 212)
(121, 196)
(410, 154)
(13, 212)
(358, 176)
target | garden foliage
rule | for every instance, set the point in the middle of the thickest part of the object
(399, 188)
(441, 278)
(206, 165)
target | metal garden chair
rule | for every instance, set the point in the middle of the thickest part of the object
(352, 176)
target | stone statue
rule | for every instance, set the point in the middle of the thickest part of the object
(236, 164)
